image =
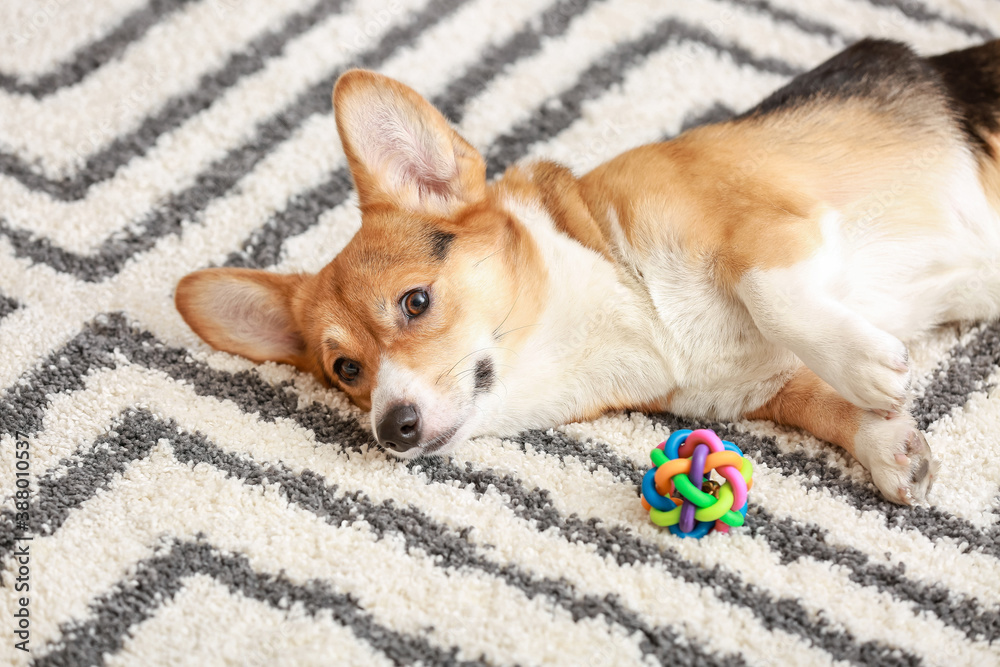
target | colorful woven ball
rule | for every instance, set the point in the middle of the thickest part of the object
(679, 492)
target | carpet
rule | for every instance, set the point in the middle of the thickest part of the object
(166, 504)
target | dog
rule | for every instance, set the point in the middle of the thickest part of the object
(766, 267)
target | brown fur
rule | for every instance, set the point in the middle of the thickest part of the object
(711, 217)
(561, 195)
(750, 194)
(808, 403)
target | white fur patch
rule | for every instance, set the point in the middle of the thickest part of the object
(594, 341)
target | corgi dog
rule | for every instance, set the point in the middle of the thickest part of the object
(767, 267)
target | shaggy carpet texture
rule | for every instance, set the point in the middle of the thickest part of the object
(181, 506)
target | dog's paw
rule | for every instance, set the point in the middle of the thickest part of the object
(897, 456)
(872, 372)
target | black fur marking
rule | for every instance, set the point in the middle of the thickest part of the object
(485, 375)
(876, 69)
(440, 243)
(972, 77)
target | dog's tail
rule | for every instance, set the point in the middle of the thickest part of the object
(972, 78)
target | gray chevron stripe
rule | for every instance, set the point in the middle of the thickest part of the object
(7, 306)
(554, 22)
(716, 113)
(136, 434)
(159, 578)
(967, 370)
(264, 245)
(625, 548)
(220, 178)
(920, 12)
(550, 119)
(304, 210)
(270, 402)
(593, 454)
(95, 55)
(793, 541)
(804, 23)
(102, 165)
(89, 472)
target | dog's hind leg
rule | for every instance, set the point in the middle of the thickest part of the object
(893, 450)
(852, 389)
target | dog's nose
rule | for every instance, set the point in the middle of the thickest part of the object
(400, 428)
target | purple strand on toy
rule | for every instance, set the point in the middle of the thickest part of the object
(696, 474)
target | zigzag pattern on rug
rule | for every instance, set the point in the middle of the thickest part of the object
(189, 507)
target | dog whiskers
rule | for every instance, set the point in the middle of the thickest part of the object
(436, 442)
(499, 336)
(504, 320)
(486, 258)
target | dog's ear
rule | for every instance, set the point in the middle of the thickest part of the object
(401, 150)
(245, 312)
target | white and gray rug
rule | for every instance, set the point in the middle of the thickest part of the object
(191, 508)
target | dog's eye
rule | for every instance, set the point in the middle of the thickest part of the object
(415, 302)
(347, 369)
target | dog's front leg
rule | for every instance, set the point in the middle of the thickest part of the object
(866, 365)
(852, 391)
